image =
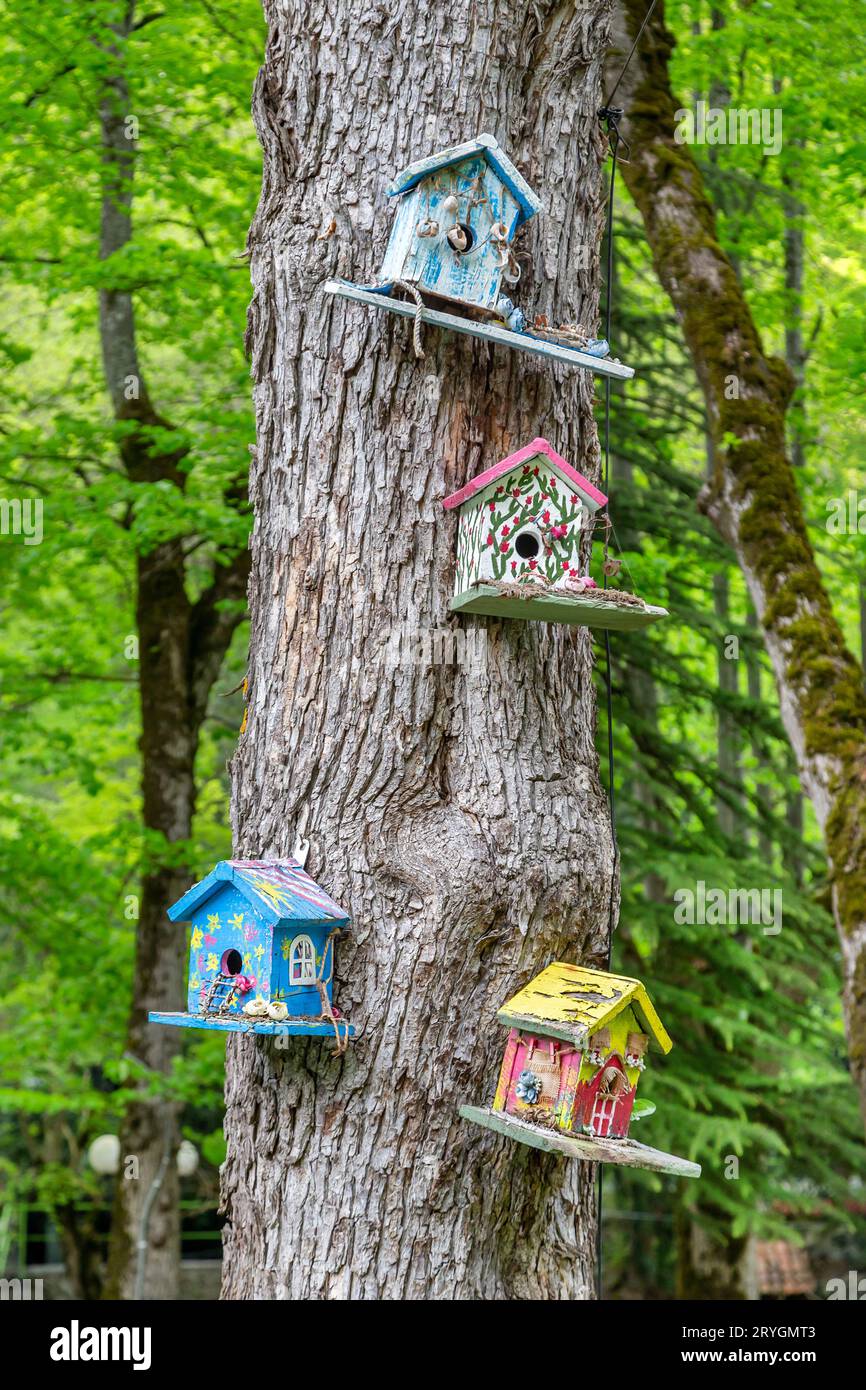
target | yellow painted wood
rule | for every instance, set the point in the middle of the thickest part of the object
(572, 1001)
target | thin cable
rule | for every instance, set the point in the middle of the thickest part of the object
(611, 117)
(647, 18)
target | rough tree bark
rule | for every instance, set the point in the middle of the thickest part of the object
(454, 808)
(181, 648)
(752, 497)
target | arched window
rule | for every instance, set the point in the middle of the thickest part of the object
(302, 962)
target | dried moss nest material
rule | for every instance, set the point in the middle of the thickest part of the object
(542, 1119)
(529, 591)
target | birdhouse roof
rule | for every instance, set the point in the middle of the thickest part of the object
(572, 1002)
(279, 890)
(539, 448)
(496, 157)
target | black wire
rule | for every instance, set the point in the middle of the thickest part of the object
(611, 115)
(611, 119)
(646, 21)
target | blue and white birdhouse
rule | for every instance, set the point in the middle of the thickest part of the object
(451, 263)
(261, 952)
(455, 221)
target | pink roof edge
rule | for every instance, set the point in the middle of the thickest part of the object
(529, 451)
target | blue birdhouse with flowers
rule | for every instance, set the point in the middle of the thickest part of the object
(261, 956)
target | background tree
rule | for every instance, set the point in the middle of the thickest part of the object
(753, 497)
(455, 810)
(102, 80)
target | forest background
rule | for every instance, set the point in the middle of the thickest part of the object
(757, 1089)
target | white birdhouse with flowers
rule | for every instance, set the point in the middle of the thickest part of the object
(524, 537)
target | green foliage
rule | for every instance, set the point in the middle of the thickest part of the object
(756, 1088)
(69, 872)
(758, 1073)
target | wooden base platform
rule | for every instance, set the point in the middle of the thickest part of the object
(239, 1023)
(556, 608)
(626, 1152)
(490, 332)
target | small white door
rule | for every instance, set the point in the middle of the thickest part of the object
(602, 1115)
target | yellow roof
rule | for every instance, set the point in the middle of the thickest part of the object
(571, 1002)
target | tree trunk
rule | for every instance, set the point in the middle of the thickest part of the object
(453, 806)
(181, 648)
(753, 496)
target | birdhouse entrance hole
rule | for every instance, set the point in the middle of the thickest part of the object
(527, 544)
(469, 238)
(231, 962)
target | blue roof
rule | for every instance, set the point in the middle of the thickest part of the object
(496, 158)
(279, 890)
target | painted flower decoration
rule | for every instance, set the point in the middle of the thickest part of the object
(528, 1087)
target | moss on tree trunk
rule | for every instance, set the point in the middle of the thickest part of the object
(752, 496)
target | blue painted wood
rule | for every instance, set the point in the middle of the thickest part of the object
(472, 277)
(226, 922)
(292, 1029)
(490, 332)
(489, 148)
(261, 911)
(280, 891)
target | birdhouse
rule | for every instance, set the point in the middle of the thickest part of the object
(518, 545)
(577, 1046)
(261, 954)
(456, 216)
(455, 220)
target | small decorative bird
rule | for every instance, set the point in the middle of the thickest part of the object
(278, 1011)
